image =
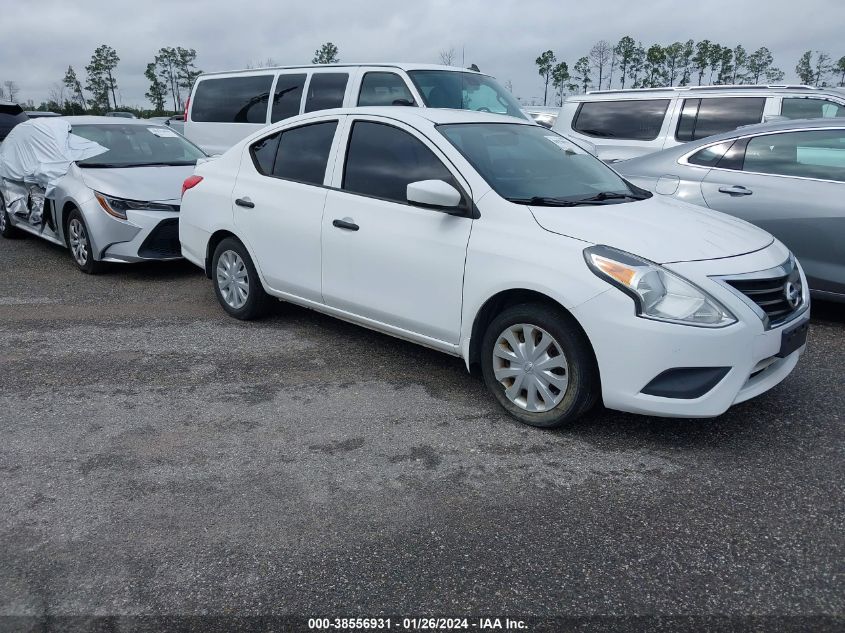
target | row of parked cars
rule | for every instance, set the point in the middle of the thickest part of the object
(422, 202)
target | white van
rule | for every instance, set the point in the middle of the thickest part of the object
(625, 124)
(226, 107)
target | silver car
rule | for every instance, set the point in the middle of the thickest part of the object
(118, 206)
(787, 178)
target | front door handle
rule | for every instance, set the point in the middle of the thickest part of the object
(245, 202)
(346, 223)
(737, 190)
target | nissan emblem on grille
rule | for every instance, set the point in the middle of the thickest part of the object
(793, 294)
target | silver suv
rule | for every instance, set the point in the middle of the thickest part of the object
(625, 124)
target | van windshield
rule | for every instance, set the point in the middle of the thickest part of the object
(137, 146)
(464, 91)
(529, 164)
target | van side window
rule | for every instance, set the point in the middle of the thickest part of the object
(287, 96)
(636, 120)
(232, 100)
(325, 91)
(705, 117)
(803, 108)
(382, 160)
(384, 89)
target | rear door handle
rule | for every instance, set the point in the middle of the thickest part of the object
(346, 223)
(245, 202)
(737, 190)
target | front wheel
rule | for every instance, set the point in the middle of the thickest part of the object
(236, 281)
(539, 365)
(6, 229)
(79, 242)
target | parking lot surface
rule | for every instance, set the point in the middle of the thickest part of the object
(158, 456)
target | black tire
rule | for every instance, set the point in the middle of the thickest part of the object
(257, 302)
(6, 228)
(86, 264)
(583, 387)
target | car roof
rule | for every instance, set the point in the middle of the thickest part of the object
(411, 115)
(106, 120)
(710, 91)
(406, 66)
(774, 126)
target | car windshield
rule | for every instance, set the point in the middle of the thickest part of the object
(464, 91)
(529, 164)
(137, 146)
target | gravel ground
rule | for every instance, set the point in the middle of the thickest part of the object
(159, 457)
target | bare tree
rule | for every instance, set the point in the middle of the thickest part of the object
(447, 56)
(12, 90)
(600, 55)
(56, 94)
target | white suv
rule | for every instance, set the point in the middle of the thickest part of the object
(228, 106)
(499, 241)
(625, 124)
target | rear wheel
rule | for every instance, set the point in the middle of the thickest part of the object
(539, 365)
(6, 229)
(79, 242)
(236, 282)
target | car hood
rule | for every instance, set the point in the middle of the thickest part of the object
(147, 184)
(662, 230)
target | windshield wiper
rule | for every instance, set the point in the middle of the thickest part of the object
(543, 201)
(599, 198)
(611, 195)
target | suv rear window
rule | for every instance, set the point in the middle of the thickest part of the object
(232, 100)
(706, 117)
(635, 120)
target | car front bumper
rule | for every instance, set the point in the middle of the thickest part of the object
(632, 351)
(143, 236)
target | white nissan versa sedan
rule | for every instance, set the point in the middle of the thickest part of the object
(499, 241)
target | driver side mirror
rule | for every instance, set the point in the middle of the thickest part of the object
(435, 194)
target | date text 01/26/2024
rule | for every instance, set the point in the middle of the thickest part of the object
(416, 624)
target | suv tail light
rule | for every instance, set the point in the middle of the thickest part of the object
(190, 183)
(187, 105)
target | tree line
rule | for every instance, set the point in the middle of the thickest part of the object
(629, 64)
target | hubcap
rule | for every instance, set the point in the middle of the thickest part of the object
(232, 279)
(78, 241)
(531, 366)
(2, 218)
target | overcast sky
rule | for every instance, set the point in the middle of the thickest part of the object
(503, 37)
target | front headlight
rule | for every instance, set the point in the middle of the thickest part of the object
(117, 207)
(657, 292)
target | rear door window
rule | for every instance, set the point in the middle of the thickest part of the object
(232, 100)
(706, 117)
(636, 120)
(288, 96)
(802, 108)
(384, 89)
(303, 153)
(325, 91)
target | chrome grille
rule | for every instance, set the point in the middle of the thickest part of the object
(778, 295)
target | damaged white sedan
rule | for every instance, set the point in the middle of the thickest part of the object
(108, 189)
